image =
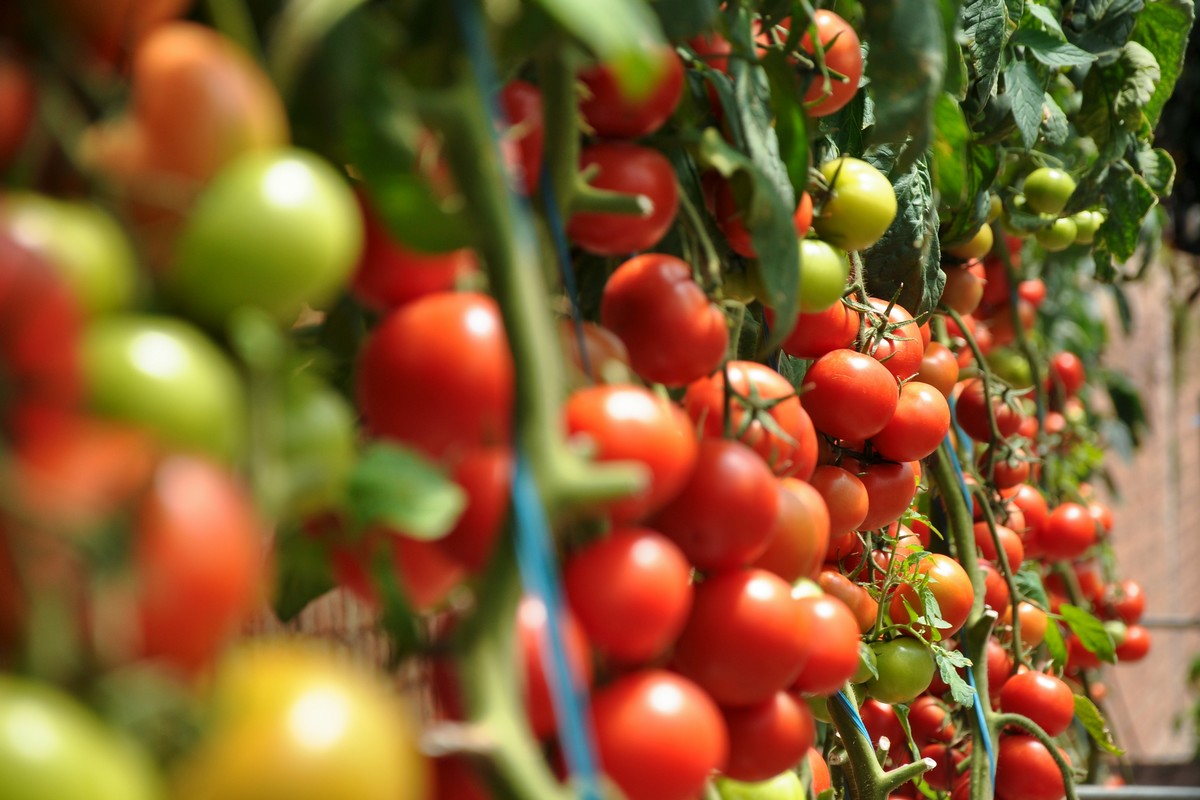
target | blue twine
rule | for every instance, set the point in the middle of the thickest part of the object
(983, 730)
(535, 556)
(852, 710)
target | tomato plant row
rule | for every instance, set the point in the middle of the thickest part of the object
(773, 314)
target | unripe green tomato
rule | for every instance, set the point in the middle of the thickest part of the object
(867, 666)
(1058, 235)
(823, 273)
(1086, 225)
(82, 241)
(905, 670)
(977, 246)
(1118, 630)
(1047, 190)
(860, 207)
(995, 208)
(1011, 366)
(819, 706)
(165, 375)
(275, 229)
(52, 747)
(742, 285)
(784, 786)
(318, 444)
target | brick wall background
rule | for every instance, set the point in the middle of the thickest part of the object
(1157, 514)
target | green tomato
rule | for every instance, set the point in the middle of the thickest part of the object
(274, 230)
(977, 246)
(995, 208)
(1058, 235)
(1086, 225)
(52, 747)
(867, 665)
(1047, 190)
(860, 207)
(819, 706)
(784, 786)
(1011, 366)
(905, 670)
(823, 274)
(167, 376)
(82, 241)
(318, 444)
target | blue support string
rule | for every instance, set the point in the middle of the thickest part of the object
(852, 710)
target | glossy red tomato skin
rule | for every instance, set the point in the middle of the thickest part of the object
(631, 592)
(919, 425)
(971, 413)
(1127, 603)
(842, 55)
(850, 395)
(1043, 698)
(855, 597)
(629, 169)
(948, 758)
(996, 593)
(745, 639)
(1068, 533)
(612, 115)
(724, 515)
(532, 639)
(939, 368)
(522, 104)
(390, 274)
(814, 335)
(629, 423)
(768, 738)
(1025, 770)
(951, 586)
(902, 353)
(794, 453)
(1136, 645)
(845, 498)
(930, 721)
(1066, 373)
(890, 491)
(659, 736)
(438, 374)
(881, 721)
(201, 561)
(800, 537)
(486, 477)
(674, 333)
(1014, 549)
(833, 655)
(1035, 511)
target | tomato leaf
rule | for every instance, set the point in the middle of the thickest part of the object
(1102, 26)
(1055, 125)
(955, 82)
(1055, 645)
(951, 143)
(622, 33)
(1091, 632)
(1158, 169)
(1029, 586)
(985, 26)
(1025, 92)
(1127, 191)
(948, 664)
(1051, 50)
(1113, 98)
(906, 67)
(1163, 28)
(398, 488)
(303, 566)
(790, 124)
(1127, 403)
(1095, 724)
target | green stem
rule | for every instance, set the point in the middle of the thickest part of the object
(560, 112)
(865, 779)
(587, 199)
(1006, 571)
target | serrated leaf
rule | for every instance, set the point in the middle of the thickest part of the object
(1045, 16)
(1163, 28)
(1051, 50)
(1055, 125)
(1025, 92)
(1092, 634)
(906, 67)
(1111, 111)
(400, 489)
(908, 254)
(1125, 190)
(962, 692)
(1095, 724)
(622, 33)
(985, 26)
(1102, 26)
(1158, 169)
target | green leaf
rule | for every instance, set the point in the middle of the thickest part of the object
(948, 663)
(956, 63)
(1102, 26)
(1095, 724)
(302, 564)
(1158, 169)
(400, 489)
(1126, 192)
(683, 18)
(1029, 586)
(1163, 28)
(790, 121)
(1055, 645)
(1025, 91)
(906, 67)
(622, 33)
(1045, 16)
(985, 26)
(1114, 95)
(1055, 125)
(908, 254)
(1091, 632)
(951, 143)
(1052, 50)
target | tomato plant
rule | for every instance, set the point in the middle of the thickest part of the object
(797, 545)
(629, 169)
(850, 395)
(768, 738)
(905, 669)
(842, 56)
(610, 113)
(1043, 698)
(860, 206)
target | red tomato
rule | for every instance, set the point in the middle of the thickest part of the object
(951, 587)
(1068, 533)
(522, 104)
(757, 391)
(1102, 514)
(843, 55)
(768, 738)
(1136, 644)
(855, 597)
(746, 638)
(890, 490)
(971, 413)
(628, 169)
(850, 395)
(881, 722)
(939, 368)
(814, 335)
(673, 332)
(533, 641)
(659, 736)
(1010, 541)
(724, 515)
(18, 103)
(1043, 698)
(797, 545)
(602, 346)
(1035, 513)
(1032, 291)
(424, 571)
(929, 720)
(964, 288)
(1010, 472)
(901, 354)
(1127, 602)
(832, 657)
(390, 274)
(200, 559)
(437, 374)
(486, 477)
(996, 593)
(948, 759)
(919, 425)
(629, 423)
(1025, 770)
(845, 498)
(611, 114)
(1066, 374)
(713, 49)
(631, 593)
